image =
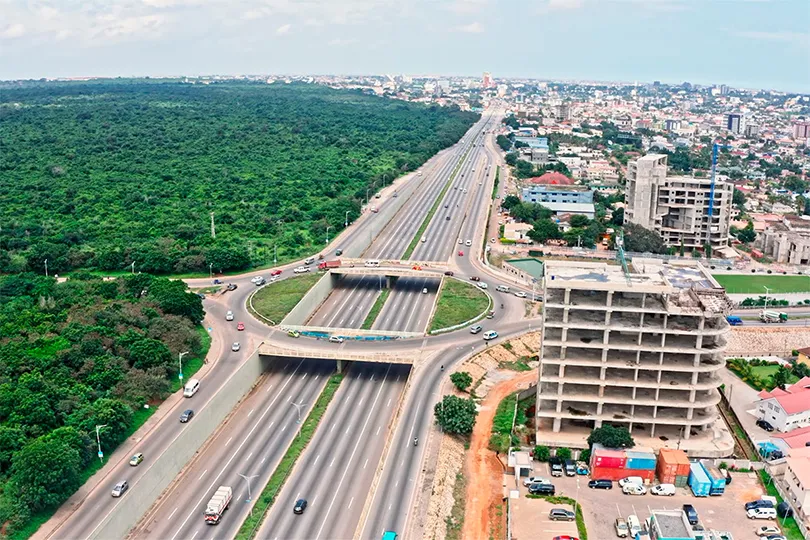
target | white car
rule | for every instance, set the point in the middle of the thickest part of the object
(482, 285)
(335, 339)
(424, 291)
(490, 334)
(468, 243)
(535, 480)
(460, 241)
(255, 279)
(634, 489)
(520, 294)
(235, 347)
(631, 480)
(229, 316)
(663, 489)
(301, 270)
(768, 529)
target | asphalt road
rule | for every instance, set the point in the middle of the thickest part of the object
(252, 442)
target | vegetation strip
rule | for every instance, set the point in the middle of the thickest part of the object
(436, 203)
(756, 283)
(458, 302)
(375, 309)
(497, 179)
(268, 495)
(274, 301)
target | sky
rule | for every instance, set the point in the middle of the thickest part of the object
(743, 43)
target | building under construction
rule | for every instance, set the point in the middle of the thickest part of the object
(636, 346)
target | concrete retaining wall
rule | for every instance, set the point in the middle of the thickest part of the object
(309, 303)
(191, 438)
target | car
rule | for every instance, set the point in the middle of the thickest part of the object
(254, 279)
(261, 281)
(300, 269)
(120, 488)
(229, 316)
(663, 489)
(535, 480)
(556, 468)
(761, 513)
(475, 278)
(520, 294)
(490, 334)
(691, 514)
(424, 290)
(300, 506)
(492, 240)
(600, 484)
(566, 537)
(761, 503)
(468, 243)
(293, 333)
(231, 287)
(460, 253)
(240, 326)
(335, 339)
(449, 273)
(631, 480)
(276, 272)
(187, 415)
(542, 489)
(482, 285)
(561, 514)
(491, 314)
(764, 424)
(772, 537)
(460, 241)
(476, 328)
(235, 347)
(338, 252)
(765, 530)
(447, 218)
(634, 489)
(446, 205)
(201, 295)
(622, 530)
(136, 459)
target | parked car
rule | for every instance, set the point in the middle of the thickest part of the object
(535, 480)
(764, 424)
(561, 514)
(476, 328)
(136, 459)
(229, 316)
(583, 469)
(187, 415)
(542, 489)
(556, 468)
(772, 537)
(634, 489)
(335, 339)
(765, 530)
(631, 480)
(691, 514)
(236, 346)
(760, 503)
(600, 484)
(300, 506)
(240, 326)
(761, 513)
(663, 489)
(622, 530)
(120, 488)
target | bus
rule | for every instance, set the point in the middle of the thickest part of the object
(389, 535)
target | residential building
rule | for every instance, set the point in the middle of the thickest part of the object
(801, 130)
(804, 356)
(670, 525)
(795, 483)
(786, 409)
(561, 111)
(639, 349)
(583, 209)
(734, 123)
(677, 207)
(519, 232)
(556, 194)
(786, 241)
(486, 80)
(672, 125)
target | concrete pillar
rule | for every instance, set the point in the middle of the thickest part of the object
(687, 432)
(340, 366)
(390, 281)
(557, 424)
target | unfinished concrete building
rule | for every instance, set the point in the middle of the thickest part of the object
(638, 349)
(677, 207)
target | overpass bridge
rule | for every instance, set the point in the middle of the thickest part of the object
(390, 268)
(340, 355)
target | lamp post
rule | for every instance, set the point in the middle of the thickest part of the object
(346, 220)
(275, 254)
(327, 234)
(98, 441)
(180, 364)
(133, 267)
(767, 292)
(210, 270)
(247, 479)
(46, 267)
(367, 190)
(298, 408)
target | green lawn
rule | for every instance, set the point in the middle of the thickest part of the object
(375, 309)
(756, 283)
(458, 302)
(276, 300)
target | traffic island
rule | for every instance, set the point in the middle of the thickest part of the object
(274, 301)
(268, 495)
(459, 304)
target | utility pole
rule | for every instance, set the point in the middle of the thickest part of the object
(298, 408)
(98, 441)
(133, 267)
(327, 234)
(346, 221)
(210, 270)
(46, 267)
(180, 364)
(767, 292)
(248, 479)
(213, 229)
(275, 253)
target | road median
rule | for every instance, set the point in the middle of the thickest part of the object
(376, 309)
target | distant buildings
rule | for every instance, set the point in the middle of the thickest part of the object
(561, 111)
(801, 130)
(558, 193)
(677, 207)
(486, 80)
(735, 123)
(787, 241)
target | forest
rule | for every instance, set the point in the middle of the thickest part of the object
(75, 355)
(104, 175)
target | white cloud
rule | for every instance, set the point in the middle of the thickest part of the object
(12, 31)
(283, 29)
(801, 39)
(472, 28)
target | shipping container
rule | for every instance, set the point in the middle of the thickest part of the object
(617, 473)
(672, 463)
(681, 480)
(716, 477)
(699, 481)
(640, 459)
(607, 457)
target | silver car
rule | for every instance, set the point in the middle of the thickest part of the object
(120, 488)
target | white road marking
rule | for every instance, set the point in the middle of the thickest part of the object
(173, 511)
(271, 425)
(195, 534)
(332, 428)
(333, 462)
(251, 412)
(229, 441)
(366, 463)
(316, 459)
(284, 428)
(350, 503)
(201, 476)
(250, 454)
(268, 388)
(389, 401)
(378, 430)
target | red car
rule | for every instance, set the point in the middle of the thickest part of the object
(475, 278)
(564, 538)
(240, 326)
(460, 253)
(275, 272)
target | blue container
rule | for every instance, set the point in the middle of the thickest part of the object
(716, 478)
(699, 481)
(640, 460)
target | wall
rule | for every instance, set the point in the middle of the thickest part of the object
(309, 303)
(190, 438)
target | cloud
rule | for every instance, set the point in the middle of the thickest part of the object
(12, 31)
(472, 28)
(283, 29)
(797, 38)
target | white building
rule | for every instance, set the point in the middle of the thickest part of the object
(786, 409)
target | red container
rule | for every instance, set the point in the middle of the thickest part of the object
(616, 473)
(671, 464)
(604, 457)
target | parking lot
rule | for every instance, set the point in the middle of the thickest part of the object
(531, 515)
(601, 507)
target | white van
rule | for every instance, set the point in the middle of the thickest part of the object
(372, 263)
(663, 489)
(310, 260)
(762, 513)
(424, 239)
(634, 525)
(639, 481)
(502, 288)
(191, 387)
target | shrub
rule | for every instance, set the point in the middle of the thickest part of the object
(563, 453)
(542, 453)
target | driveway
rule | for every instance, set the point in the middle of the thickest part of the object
(743, 401)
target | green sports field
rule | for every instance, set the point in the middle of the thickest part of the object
(756, 283)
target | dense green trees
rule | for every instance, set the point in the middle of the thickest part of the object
(503, 142)
(455, 415)
(641, 240)
(108, 174)
(74, 355)
(611, 437)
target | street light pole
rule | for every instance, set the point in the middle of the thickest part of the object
(133, 267)
(327, 234)
(180, 364)
(210, 270)
(367, 190)
(275, 254)
(298, 408)
(346, 220)
(767, 292)
(46, 267)
(98, 441)
(247, 479)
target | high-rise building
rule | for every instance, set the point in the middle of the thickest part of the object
(723, 90)
(561, 111)
(801, 130)
(735, 123)
(677, 207)
(640, 349)
(672, 125)
(486, 80)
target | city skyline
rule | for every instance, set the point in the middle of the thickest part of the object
(758, 44)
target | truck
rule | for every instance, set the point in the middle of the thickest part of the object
(773, 316)
(326, 265)
(218, 504)
(733, 320)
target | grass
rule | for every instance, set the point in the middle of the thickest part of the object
(581, 531)
(436, 203)
(458, 302)
(521, 364)
(455, 521)
(766, 372)
(755, 284)
(504, 415)
(207, 290)
(495, 185)
(276, 300)
(139, 418)
(788, 525)
(268, 495)
(375, 309)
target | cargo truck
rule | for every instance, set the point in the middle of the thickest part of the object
(326, 265)
(218, 504)
(773, 316)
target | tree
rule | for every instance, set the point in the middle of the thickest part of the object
(563, 453)
(524, 169)
(544, 229)
(44, 473)
(511, 159)
(172, 296)
(748, 234)
(578, 220)
(611, 437)
(455, 415)
(579, 237)
(707, 249)
(585, 455)
(500, 443)
(510, 201)
(461, 379)
(11, 440)
(148, 353)
(618, 217)
(503, 142)
(782, 377)
(542, 453)
(641, 240)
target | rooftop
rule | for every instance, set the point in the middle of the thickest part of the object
(552, 178)
(796, 438)
(530, 266)
(572, 208)
(794, 399)
(800, 465)
(671, 524)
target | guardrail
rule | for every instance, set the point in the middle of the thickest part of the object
(273, 350)
(347, 333)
